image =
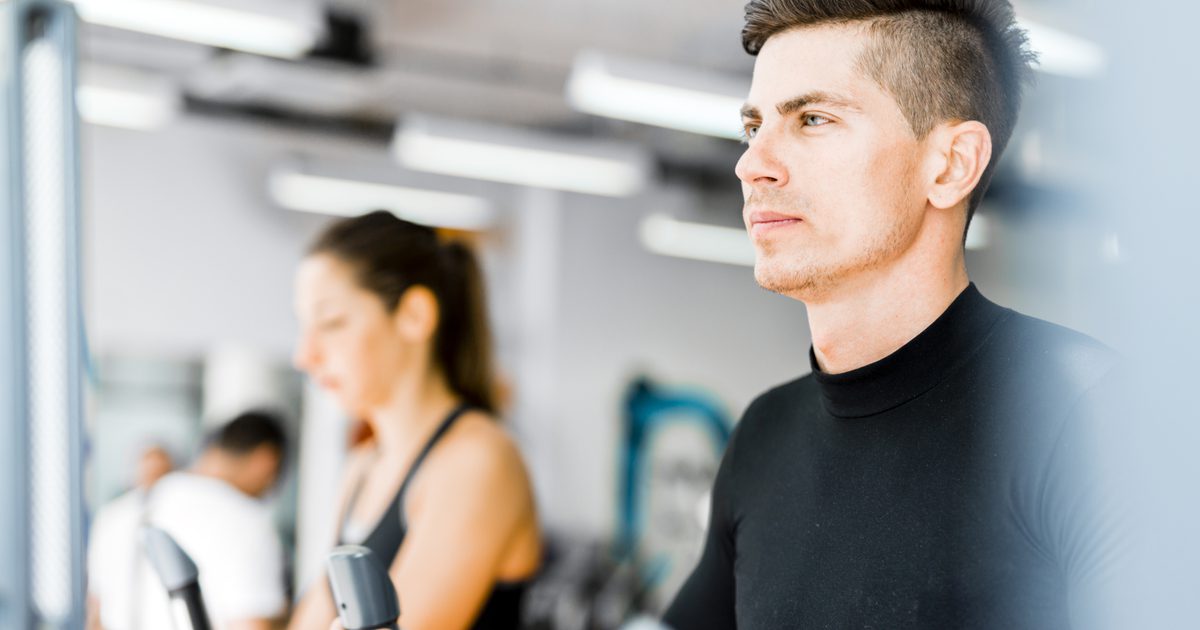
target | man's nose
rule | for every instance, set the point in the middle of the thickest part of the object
(760, 165)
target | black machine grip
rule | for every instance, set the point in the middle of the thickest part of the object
(362, 591)
(179, 577)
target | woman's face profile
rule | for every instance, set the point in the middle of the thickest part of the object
(349, 344)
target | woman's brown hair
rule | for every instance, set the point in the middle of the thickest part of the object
(389, 255)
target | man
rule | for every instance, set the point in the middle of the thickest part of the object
(928, 473)
(215, 514)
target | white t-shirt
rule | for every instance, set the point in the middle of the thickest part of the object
(228, 535)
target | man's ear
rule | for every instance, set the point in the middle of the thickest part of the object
(416, 316)
(960, 153)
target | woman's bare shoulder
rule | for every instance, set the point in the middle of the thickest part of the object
(479, 447)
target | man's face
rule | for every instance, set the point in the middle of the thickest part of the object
(830, 173)
(260, 470)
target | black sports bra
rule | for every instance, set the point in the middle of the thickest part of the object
(502, 610)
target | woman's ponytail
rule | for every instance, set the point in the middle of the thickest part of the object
(463, 343)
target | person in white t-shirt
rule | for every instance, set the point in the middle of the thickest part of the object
(215, 513)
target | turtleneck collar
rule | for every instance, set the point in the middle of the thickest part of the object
(917, 366)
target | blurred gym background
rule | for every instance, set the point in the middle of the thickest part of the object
(586, 148)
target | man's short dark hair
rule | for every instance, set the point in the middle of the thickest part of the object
(248, 431)
(941, 60)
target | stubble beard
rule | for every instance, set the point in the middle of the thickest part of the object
(808, 276)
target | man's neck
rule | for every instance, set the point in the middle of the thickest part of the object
(868, 318)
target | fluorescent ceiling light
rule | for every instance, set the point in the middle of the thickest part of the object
(297, 190)
(657, 94)
(117, 97)
(664, 235)
(323, 87)
(502, 154)
(1062, 53)
(279, 28)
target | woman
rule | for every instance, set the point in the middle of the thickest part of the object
(393, 324)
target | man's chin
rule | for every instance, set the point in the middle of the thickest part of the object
(775, 280)
(798, 283)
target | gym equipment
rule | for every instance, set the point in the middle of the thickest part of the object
(648, 408)
(674, 438)
(362, 590)
(41, 373)
(179, 576)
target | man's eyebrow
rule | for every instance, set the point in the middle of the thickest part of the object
(792, 105)
(816, 97)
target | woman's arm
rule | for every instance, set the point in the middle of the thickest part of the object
(473, 498)
(315, 609)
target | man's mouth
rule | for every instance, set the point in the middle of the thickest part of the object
(762, 222)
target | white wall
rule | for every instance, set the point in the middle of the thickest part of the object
(183, 251)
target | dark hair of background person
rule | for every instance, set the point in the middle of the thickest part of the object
(249, 431)
(389, 255)
(941, 60)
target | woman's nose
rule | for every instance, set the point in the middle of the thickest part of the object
(305, 357)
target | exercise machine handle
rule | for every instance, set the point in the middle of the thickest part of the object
(362, 591)
(179, 576)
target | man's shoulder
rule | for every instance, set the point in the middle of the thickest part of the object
(1053, 351)
(784, 395)
(124, 504)
(205, 497)
(208, 518)
(772, 407)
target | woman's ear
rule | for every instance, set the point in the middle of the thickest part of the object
(416, 316)
(962, 151)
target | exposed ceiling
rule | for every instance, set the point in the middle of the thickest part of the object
(493, 60)
(504, 60)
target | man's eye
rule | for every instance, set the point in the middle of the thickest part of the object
(814, 120)
(748, 132)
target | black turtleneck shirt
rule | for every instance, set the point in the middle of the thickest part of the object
(941, 487)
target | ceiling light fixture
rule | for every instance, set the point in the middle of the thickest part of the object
(668, 236)
(278, 28)
(657, 94)
(515, 156)
(1062, 53)
(117, 97)
(294, 188)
